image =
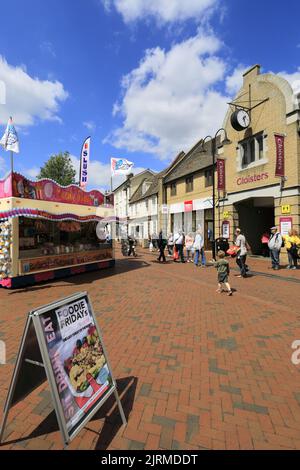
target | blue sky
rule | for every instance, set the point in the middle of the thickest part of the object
(145, 78)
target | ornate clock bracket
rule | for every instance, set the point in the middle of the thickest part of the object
(252, 104)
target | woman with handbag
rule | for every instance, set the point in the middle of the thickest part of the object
(179, 242)
(242, 251)
(170, 244)
(292, 244)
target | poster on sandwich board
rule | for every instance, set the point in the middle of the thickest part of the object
(62, 342)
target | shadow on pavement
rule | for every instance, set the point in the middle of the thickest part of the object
(109, 412)
(122, 266)
(126, 389)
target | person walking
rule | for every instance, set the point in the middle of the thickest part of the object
(292, 244)
(199, 249)
(162, 242)
(189, 242)
(222, 266)
(132, 245)
(241, 256)
(155, 241)
(150, 244)
(179, 240)
(170, 244)
(275, 245)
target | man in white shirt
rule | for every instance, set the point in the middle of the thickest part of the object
(179, 240)
(275, 244)
(242, 252)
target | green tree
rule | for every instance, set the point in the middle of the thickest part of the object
(59, 168)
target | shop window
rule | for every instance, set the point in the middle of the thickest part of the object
(260, 141)
(251, 150)
(189, 184)
(39, 238)
(208, 177)
(173, 189)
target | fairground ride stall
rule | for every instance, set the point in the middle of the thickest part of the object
(48, 231)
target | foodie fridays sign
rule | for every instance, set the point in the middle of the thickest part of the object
(67, 342)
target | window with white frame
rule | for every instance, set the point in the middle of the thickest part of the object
(251, 150)
(154, 203)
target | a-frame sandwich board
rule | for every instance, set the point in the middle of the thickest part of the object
(62, 343)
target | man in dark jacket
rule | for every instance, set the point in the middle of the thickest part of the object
(132, 245)
(162, 243)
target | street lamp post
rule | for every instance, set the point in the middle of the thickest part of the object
(226, 141)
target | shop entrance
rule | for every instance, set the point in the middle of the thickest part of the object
(256, 216)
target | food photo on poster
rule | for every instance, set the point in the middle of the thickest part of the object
(77, 359)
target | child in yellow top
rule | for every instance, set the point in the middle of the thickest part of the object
(292, 244)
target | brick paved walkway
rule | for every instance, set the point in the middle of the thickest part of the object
(195, 369)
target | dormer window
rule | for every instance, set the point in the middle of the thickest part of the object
(145, 186)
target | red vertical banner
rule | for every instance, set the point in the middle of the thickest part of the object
(221, 174)
(279, 171)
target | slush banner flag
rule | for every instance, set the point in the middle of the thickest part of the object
(120, 166)
(279, 139)
(84, 162)
(10, 140)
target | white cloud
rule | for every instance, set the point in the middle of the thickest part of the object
(293, 79)
(100, 173)
(107, 5)
(3, 166)
(48, 48)
(31, 173)
(171, 99)
(161, 10)
(28, 98)
(235, 81)
(90, 125)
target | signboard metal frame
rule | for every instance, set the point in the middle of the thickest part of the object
(34, 318)
(226, 229)
(287, 223)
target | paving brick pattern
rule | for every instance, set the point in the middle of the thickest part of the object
(195, 369)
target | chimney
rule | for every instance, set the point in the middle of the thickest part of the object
(249, 75)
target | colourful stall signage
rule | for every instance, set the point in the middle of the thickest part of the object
(50, 262)
(48, 190)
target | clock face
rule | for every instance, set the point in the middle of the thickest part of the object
(243, 118)
(240, 120)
